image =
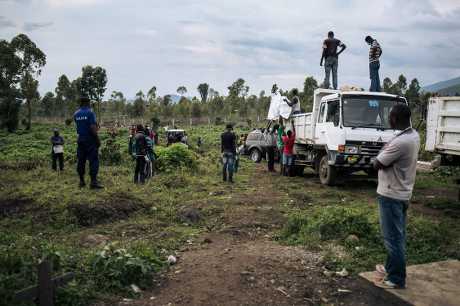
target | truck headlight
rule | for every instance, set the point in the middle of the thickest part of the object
(351, 149)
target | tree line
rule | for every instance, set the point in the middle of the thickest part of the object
(21, 62)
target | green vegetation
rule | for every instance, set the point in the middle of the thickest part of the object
(43, 214)
(347, 231)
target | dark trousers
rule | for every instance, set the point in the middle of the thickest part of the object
(393, 226)
(331, 64)
(58, 157)
(139, 171)
(374, 75)
(271, 158)
(87, 150)
(228, 160)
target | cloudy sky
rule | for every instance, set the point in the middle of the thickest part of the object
(185, 42)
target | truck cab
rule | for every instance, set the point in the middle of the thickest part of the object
(344, 133)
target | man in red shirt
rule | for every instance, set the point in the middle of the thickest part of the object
(288, 154)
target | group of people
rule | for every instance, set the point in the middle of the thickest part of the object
(280, 140)
(330, 57)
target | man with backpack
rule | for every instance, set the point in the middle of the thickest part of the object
(140, 151)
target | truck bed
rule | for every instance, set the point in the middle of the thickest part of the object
(443, 125)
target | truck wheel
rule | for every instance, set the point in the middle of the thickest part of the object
(327, 173)
(255, 155)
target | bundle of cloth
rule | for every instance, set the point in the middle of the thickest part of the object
(281, 106)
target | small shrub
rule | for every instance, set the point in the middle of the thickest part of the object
(110, 153)
(174, 157)
(218, 121)
(116, 269)
(68, 121)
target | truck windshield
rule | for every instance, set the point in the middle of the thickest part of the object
(370, 112)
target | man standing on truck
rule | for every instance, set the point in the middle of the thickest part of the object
(228, 150)
(88, 143)
(288, 154)
(396, 163)
(331, 57)
(374, 63)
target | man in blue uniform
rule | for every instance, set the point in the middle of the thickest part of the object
(88, 143)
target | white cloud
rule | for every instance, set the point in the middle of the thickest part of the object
(178, 42)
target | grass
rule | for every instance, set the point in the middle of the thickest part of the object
(326, 226)
(45, 215)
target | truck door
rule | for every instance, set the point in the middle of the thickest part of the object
(321, 129)
(334, 135)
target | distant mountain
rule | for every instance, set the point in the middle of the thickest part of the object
(449, 87)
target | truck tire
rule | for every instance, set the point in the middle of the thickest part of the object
(327, 173)
(255, 155)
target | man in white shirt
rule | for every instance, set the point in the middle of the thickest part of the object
(397, 163)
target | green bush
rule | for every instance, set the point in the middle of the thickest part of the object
(329, 223)
(176, 156)
(111, 153)
(116, 269)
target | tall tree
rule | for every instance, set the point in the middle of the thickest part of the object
(152, 95)
(29, 90)
(203, 89)
(139, 105)
(309, 86)
(93, 84)
(181, 90)
(10, 75)
(65, 95)
(32, 61)
(47, 103)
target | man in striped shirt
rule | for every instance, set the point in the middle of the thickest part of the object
(374, 62)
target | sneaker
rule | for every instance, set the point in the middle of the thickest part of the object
(387, 284)
(380, 272)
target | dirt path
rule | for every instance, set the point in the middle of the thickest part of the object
(241, 264)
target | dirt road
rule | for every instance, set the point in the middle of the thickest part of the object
(240, 263)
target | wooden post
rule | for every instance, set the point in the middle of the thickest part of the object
(45, 285)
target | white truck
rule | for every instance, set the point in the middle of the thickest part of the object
(344, 133)
(443, 129)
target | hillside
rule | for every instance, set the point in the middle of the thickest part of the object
(449, 87)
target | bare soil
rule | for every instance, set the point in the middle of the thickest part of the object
(241, 263)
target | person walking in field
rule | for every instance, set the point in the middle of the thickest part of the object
(140, 151)
(228, 150)
(88, 143)
(57, 150)
(331, 58)
(288, 154)
(375, 52)
(396, 163)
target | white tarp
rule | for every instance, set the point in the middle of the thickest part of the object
(279, 106)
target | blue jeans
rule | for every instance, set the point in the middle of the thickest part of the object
(88, 150)
(288, 159)
(331, 63)
(393, 226)
(374, 74)
(228, 159)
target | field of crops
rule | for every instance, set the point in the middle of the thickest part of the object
(122, 235)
